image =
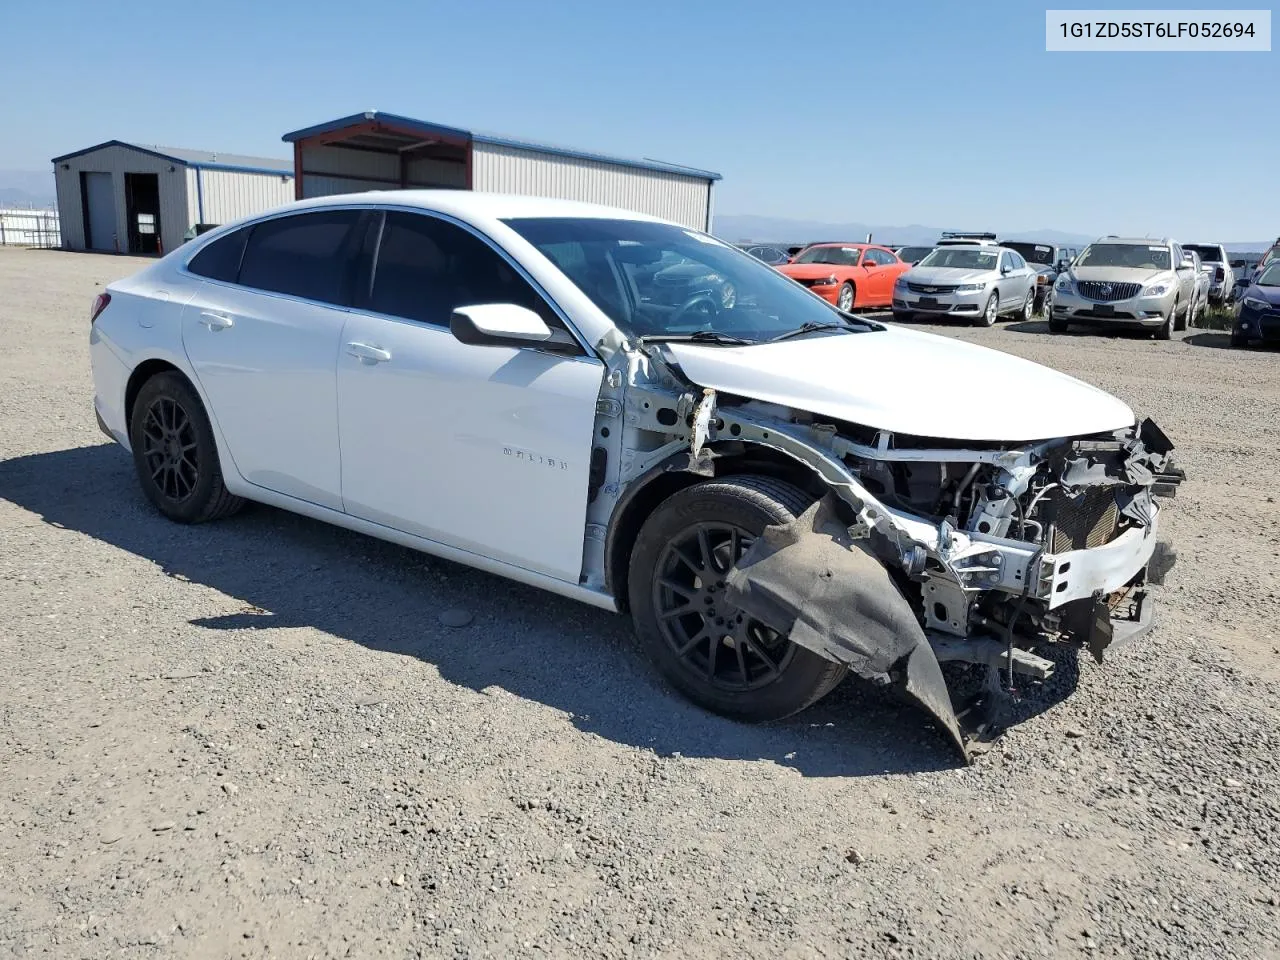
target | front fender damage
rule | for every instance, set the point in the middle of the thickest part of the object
(811, 581)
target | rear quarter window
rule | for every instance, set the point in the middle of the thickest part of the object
(220, 260)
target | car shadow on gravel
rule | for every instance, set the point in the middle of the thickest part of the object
(290, 571)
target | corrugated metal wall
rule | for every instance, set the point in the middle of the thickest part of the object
(228, 195)
(501, 169)
(118, 161)
(329, 170)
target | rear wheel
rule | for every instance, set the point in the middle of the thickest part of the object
(712, 652)
(846, 297)
(175, 454)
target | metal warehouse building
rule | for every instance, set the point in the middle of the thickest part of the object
(381, 151)
(127, 198)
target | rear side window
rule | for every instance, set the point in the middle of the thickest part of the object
(220, 260)
(426, 267)
(306, 255)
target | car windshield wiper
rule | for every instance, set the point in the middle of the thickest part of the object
(700, 336)
(813, 326)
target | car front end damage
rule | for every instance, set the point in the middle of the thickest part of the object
(916, 552)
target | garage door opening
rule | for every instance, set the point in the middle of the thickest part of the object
(142, 209)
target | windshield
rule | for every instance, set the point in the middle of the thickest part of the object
(912, 254)
(967, 258)
(660, 280)
(1270, 277)
(1207, 254)
(844, 256)
(1138, 256)
(1040, 253)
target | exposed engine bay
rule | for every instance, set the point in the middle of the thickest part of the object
(919, 551)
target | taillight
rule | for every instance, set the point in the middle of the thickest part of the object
(1219, 275)
(99, 304)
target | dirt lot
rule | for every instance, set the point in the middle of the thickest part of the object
(257, 738)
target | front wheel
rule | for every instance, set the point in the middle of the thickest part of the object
(716, 655)
(846, 297)
(175, 454)
(1029, 305)
(991, 312)
(1165, 331)
(1238, 339)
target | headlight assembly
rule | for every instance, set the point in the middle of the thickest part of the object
(971, 287)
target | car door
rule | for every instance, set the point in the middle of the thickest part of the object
(1026, 278)
(483, 448)
(262, 334)
(877, 291)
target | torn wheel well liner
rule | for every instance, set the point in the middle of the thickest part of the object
(643, 495)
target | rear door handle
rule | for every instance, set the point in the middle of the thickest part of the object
(368, 352)
(216, 321)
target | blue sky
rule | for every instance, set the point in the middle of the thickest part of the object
(880, 112)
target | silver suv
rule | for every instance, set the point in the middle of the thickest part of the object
(974, 280)
(1127, 281)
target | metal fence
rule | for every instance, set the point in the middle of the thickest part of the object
(30, 228)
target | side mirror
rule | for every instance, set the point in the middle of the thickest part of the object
(1243, 281)
(1006, 270)
(1063, 265)
(498, 325)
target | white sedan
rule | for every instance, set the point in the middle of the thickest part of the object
(778, 492)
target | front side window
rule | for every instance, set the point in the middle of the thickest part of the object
(963, 258)
(427, 267)
(661, 280)
(220, 260)
(304, 255)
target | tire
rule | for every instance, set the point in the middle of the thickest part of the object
(1165, 332)
(847, 293)
(1057, 325)
(1029, 307)
(1239, 340)
(990, 313)
(1189, 318)
(774, 678)
(175, 454)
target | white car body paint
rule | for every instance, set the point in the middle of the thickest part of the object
(907, 381)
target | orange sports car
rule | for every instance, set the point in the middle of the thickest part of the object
(850, 275)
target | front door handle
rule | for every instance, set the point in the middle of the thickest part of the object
(216, 321)
(368, 352)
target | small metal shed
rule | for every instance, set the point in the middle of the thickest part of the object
(129, 198)
(383, 151)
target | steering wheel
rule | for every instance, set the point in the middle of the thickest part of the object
(701, 298)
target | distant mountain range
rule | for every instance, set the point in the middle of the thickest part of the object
(738, 228)
(27, 188)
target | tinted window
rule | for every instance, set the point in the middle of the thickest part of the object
(304, 255)
(426, 267)
(220, 260)
(1210, 254)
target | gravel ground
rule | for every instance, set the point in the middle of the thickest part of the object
(260, 738)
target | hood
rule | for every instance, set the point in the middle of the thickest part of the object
(1269, 294)
(948, 275)
(811, 271)
(1119, 274)
(910, 382)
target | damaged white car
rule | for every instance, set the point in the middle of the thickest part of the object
(778, 492)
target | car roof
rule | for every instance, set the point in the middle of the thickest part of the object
(473, 204)
(1137, 241)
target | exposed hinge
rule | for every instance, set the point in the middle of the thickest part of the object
(595, 531)
(608, 408)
